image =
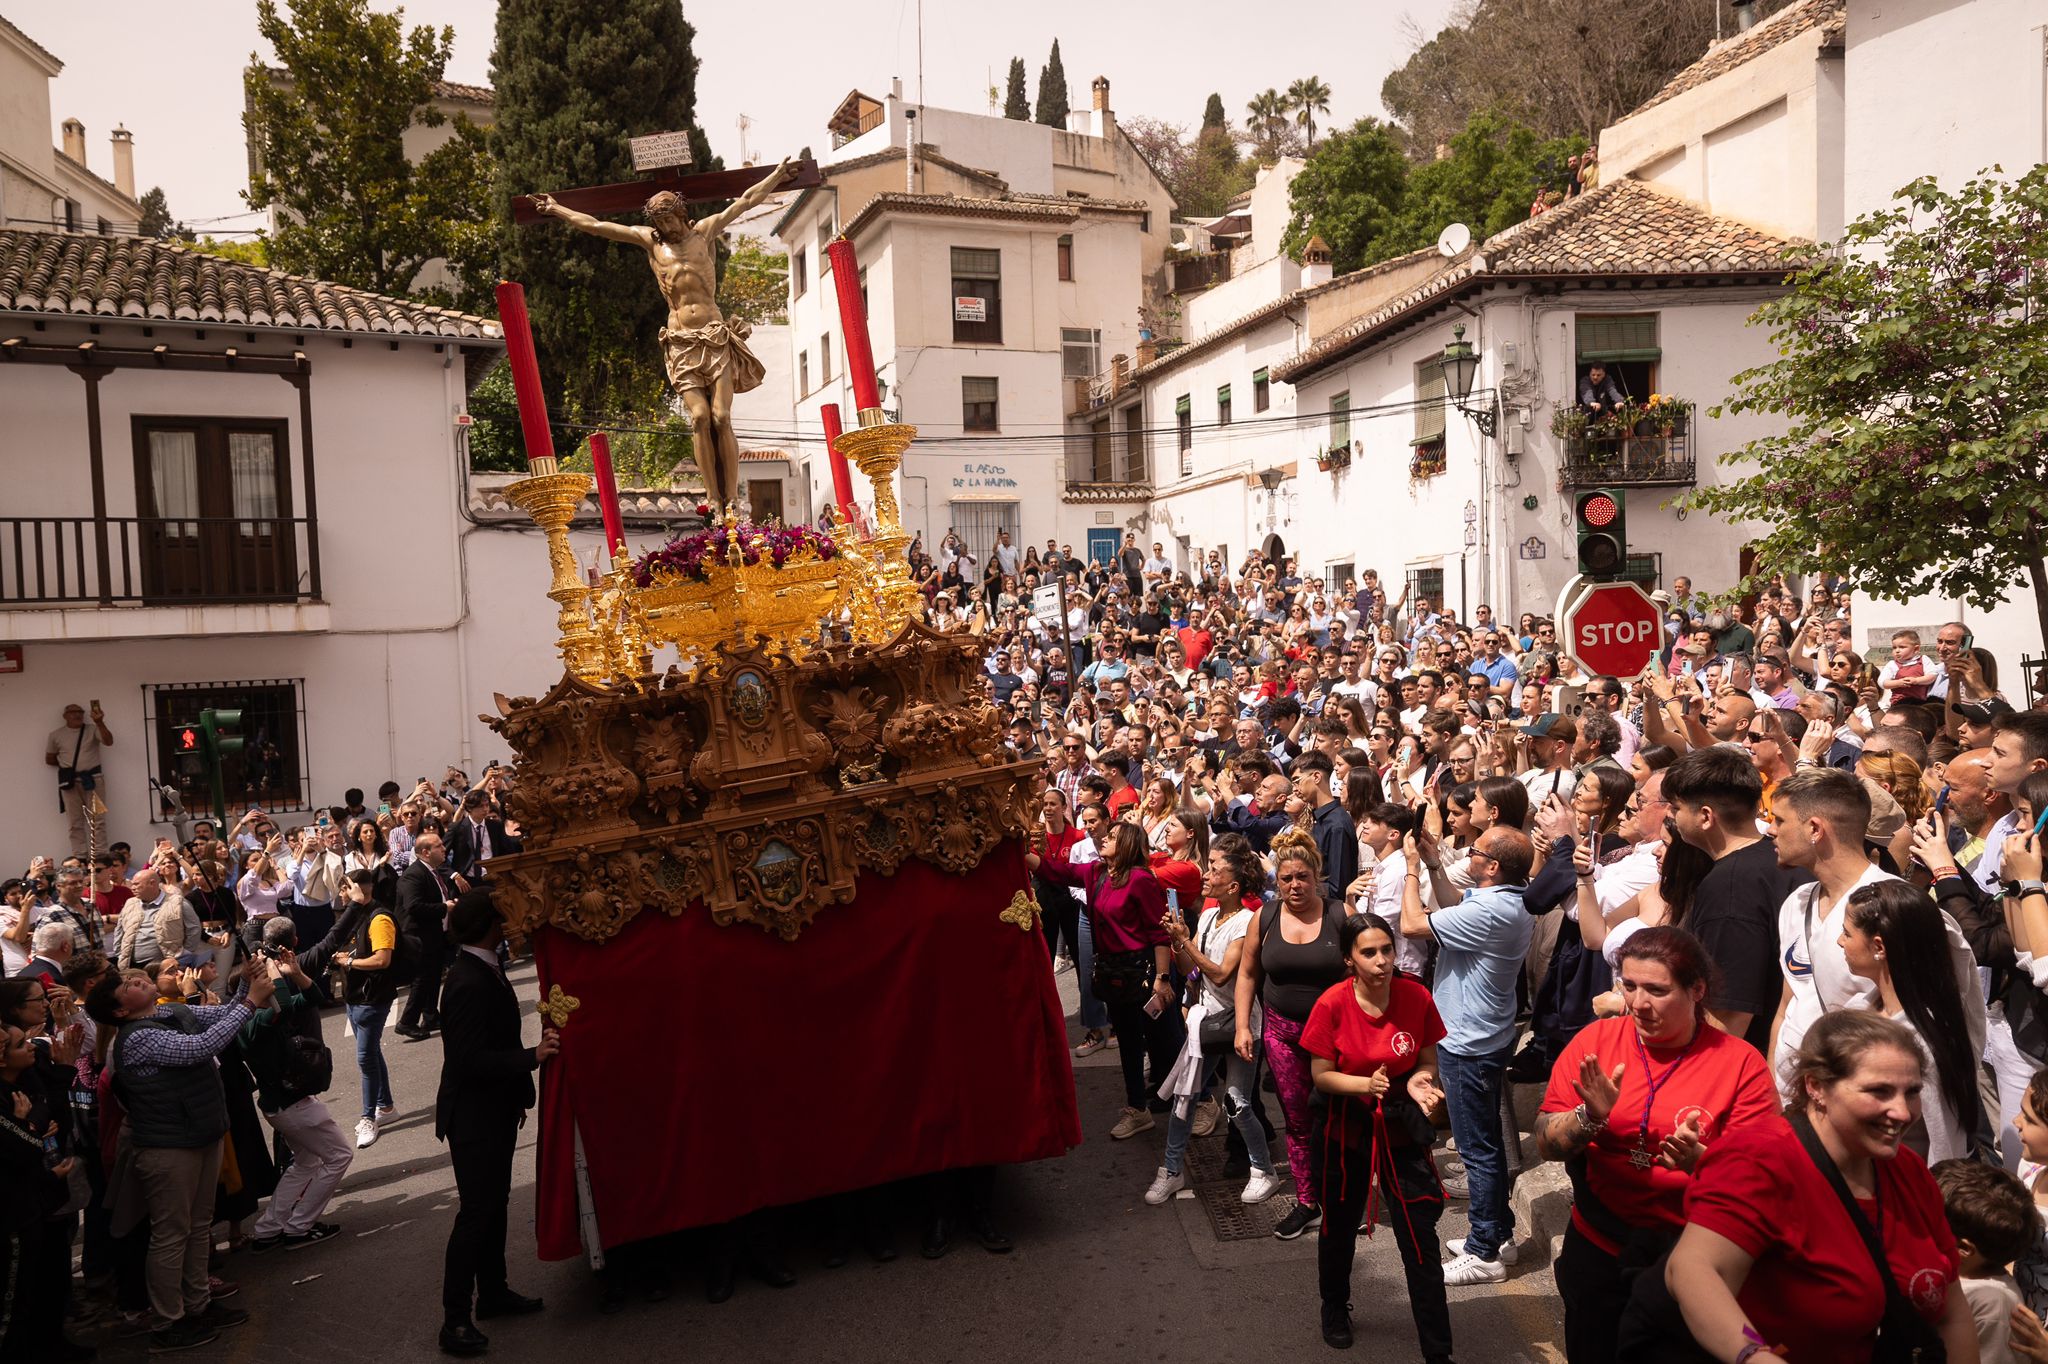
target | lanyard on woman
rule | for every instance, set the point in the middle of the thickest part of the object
(1642, 1157)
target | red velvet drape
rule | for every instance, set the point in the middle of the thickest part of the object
(714, 1070)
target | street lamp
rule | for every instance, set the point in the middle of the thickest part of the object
(1461, 367)
(1270, 479)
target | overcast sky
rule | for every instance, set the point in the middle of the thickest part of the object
(172, 72)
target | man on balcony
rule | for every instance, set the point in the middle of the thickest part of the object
(74, 750)
(1598, 392)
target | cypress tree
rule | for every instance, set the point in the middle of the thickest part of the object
(1052, 90)
(573, 83)
(1212, 113)
(1016, 102)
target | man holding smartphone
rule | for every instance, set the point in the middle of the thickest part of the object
(73, 748)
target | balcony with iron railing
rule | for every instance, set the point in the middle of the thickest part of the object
(58, 574)
(1639, 446)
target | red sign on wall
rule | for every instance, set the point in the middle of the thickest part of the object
(10, 659)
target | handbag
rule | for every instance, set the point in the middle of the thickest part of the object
(1218, 1032)
(1903, 1335)
(1122, 978)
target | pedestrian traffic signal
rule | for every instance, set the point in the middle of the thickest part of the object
(1602, 533)
(216, 740)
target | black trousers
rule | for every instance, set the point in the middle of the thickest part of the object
(475, 1263)
(1589, 1282)
(35, 1264)
(1409, 1199)
(423, 1004)
(1059, 913)
(1140, 1037)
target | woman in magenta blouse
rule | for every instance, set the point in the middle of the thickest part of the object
(1133, 974)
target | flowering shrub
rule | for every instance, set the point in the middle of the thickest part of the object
(694, 556)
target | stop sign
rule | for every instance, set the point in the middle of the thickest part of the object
(1613, 630)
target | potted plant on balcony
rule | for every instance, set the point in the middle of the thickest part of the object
(1568, 423)
(1326, 460)
(1666, 415)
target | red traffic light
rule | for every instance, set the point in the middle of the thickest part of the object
(1599, 510)
(188, 739)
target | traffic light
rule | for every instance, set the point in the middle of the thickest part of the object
(190, 750)
(1602, 524)
(217, 740)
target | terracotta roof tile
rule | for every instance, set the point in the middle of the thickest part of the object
(459, 93)
(1622, 229)
(92, 276)
(1787, 23)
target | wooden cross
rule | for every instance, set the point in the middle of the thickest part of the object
(627, 196)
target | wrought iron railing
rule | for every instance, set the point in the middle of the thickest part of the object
(1651, 448)
(130, 560)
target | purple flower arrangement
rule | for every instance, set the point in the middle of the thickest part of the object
(694, 556)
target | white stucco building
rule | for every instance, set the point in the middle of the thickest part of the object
(45, 187)
(232, 487)
(1004, 263)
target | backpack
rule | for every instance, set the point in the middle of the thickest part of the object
(308, 1067)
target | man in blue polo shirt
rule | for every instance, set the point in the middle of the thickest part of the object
(1481, 941)
(1497, 668)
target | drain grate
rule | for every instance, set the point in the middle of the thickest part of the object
(1229, 1217)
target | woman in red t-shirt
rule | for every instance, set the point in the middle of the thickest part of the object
(1373, 1043)
(1632, 1103)
(1771, 1267)
(1179, 863)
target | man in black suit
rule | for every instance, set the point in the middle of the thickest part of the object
(424, 898)
(486, 1088)
(475, 838)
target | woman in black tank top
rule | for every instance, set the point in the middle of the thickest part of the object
(1290, 957)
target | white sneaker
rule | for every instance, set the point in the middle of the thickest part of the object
(1260, 1187)
(386, 1112)
(366, 1132)
(1470, 1269)
(1165, 1185)
(1509, 1253)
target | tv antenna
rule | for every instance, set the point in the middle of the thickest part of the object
(744, 123)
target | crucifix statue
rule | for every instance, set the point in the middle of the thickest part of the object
(706, 356)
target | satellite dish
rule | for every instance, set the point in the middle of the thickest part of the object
(1453, 240)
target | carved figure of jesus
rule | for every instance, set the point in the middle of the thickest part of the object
(706, 356)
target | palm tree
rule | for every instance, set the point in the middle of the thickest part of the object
(1268, 114)
(1308, 97)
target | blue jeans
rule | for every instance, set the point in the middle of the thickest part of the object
(1240, 1082)
(1472, 1088)
(367, 1021)
(1094, 1013)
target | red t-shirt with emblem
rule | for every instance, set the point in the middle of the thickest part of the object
(1344, 1034)
(1813, 1289)
(1720, 1079)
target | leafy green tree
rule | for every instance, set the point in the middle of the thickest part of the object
(1308, 97)
(255, 251)
(1212, 114)
(755, 286)
(156, 216)
(573, 84)
(1202, 173)
(1351, 193)
(1495, 167)
(1016, 101)
(1910, 370)
(1266, 121)
(1052, 90)
(330, 139)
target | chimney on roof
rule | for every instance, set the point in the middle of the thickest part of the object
(124, 160)
(74, 140)
(1745, 14)
(1315, 263)
(1101, 88)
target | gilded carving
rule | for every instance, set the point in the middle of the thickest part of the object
(641, 794)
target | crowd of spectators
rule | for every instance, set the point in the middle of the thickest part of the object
(160, 1012)
(1760, 920)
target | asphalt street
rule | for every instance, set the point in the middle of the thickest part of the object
(1096, 1274)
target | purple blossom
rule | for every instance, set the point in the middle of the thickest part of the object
(695, 556)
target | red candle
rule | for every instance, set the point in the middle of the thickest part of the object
(533, 404)
(842, 476)
(607, 495)
(853, 321)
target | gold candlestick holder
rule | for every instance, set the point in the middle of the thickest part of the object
(876, 448)
(551, 499)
